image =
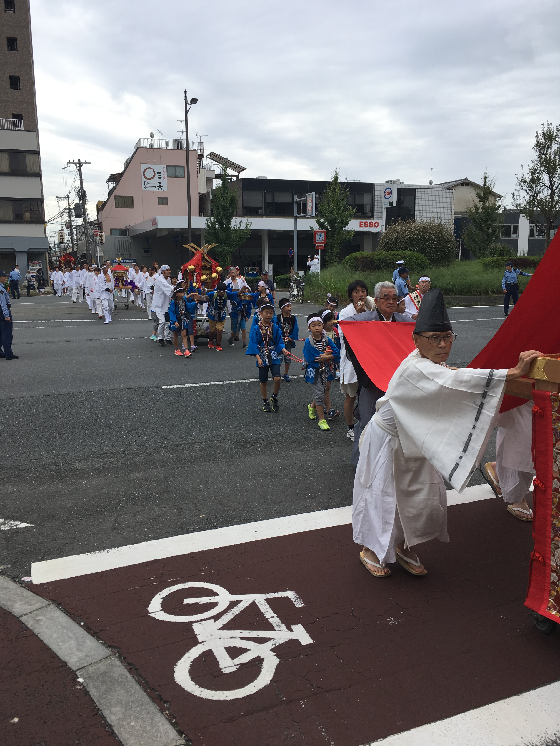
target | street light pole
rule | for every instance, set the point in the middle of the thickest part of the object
(188, 105)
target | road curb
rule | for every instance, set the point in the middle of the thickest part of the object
(134, 717)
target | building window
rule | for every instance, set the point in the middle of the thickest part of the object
(12, 43)
(15, 83)
(19, 163)
(25, 210)
(118, 232)
(18, 120)
(175, 172)
(162, 201)
(505, 231)
(252, 203)
(9, 6)
(405, 208)
(537, 231)
(363, 202)
(121, 201)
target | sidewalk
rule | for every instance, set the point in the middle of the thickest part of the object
(60, 687)
(42, 700)
(273, 633)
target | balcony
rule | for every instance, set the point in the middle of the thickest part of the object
(11, 124)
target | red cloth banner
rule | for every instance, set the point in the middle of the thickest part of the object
(380, 347)
(543, 594)
(530, 324)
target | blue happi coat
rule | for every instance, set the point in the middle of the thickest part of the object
(256, 344)
(310, 355)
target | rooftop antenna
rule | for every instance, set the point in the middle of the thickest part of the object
(431, 180)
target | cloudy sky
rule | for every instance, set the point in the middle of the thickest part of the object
(379, 90)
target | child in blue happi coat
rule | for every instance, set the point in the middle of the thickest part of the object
(217, 312)
(328, 318)
(266, 345)
(290, 331)
(320, 355)
(244, 310)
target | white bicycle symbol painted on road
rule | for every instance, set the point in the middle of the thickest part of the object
(212, 637)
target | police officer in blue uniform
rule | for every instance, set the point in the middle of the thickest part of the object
(5, 321)
(510, 285)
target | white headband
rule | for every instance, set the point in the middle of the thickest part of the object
(325, 312)
(312, 319)
(164, 267)
(424, 278)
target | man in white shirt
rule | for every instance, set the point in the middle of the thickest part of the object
(412, 300)
(358, 295)
(149, 290)
(163, 290)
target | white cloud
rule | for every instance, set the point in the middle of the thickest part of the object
(379, 90)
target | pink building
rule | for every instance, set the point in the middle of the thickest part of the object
(152, 183)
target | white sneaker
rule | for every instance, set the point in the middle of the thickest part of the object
(350, 434)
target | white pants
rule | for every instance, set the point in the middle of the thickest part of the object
(163, 327)
(76, 294)
(514, 464)
(58, 290)
(149, 297)
(107, 306)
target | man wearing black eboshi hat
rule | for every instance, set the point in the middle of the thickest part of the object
(433, 422)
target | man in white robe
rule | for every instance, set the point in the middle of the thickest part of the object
(163, 290)
(511, 475)
(433, 421)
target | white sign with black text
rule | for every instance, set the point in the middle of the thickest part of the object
(154, 177)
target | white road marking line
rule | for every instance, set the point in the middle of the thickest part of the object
(146, 551)
(6, 525)
(528, 718)
(488, 318)
(213, 383)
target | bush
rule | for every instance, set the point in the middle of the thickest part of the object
(432, 239)
(282, 281)
(367, 261)
(521, 262)
(460, 278)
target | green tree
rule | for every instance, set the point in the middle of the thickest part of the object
(485, 215)
(432, 239)
(221, 227)
(537, 193)
(333, 215)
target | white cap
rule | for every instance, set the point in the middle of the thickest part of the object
(164, 266)
(401, 261)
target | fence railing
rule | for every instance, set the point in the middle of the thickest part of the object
(11, 124)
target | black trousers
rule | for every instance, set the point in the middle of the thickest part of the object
(14, 288)
(512, 291)
(6, 333)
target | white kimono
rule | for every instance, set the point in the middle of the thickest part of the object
(432, 422)
(514, 462)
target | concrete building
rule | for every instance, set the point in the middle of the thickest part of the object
(152, 185)
(524, 238)
(22, 229)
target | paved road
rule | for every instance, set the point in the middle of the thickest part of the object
(97, 453)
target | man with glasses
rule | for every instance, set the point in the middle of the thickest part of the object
(386, 301)
(433, 422)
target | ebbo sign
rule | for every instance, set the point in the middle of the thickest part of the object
(369, 223)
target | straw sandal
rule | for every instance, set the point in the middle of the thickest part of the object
(490, 476)
(527, 515)
(369, 564)
(409, 564)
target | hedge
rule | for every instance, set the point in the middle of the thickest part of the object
(282, 281)
(431, 238)
(368, 261)
(521, 262)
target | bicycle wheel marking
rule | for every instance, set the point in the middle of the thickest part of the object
(213, 638)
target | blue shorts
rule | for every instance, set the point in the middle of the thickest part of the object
(234, 324)
(274, 372)
(242, 323)
(188, 326)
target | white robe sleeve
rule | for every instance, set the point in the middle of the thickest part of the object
(445, 415)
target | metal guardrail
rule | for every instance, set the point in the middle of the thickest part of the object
(11, 124)
(147, 142)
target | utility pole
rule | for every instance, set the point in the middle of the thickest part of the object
(79, 165)
(188, 105)
(67, 198)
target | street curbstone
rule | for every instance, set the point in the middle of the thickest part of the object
(17, 600)
(136, 720)
(134, 717)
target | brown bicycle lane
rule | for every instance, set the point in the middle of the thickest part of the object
(363, 658)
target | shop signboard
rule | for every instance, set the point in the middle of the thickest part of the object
(154, 177)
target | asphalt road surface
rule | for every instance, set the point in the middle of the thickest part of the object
(108, 439)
